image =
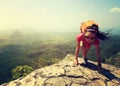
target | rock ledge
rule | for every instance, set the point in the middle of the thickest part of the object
(64, 73)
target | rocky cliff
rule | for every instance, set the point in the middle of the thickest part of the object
(64, 73)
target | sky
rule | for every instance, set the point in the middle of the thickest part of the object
(57, 15)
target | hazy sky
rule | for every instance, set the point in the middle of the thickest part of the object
(58, 14)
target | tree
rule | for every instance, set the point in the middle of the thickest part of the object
(21, 71)
(39, 62)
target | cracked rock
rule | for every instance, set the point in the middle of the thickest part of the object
(64, 73)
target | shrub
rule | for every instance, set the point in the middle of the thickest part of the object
(21, 71)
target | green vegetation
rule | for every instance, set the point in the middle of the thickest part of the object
(37, 50)
(21, 71)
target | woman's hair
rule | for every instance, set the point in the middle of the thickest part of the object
(91, 26)
(86, 24)
(95, 29)
(102, 35)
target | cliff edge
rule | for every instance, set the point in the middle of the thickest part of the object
(64, 73)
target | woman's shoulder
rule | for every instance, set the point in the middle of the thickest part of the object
(79, 36)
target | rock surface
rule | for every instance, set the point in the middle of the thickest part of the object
(64, 73)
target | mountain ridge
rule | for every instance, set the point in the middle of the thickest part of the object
(64, 73)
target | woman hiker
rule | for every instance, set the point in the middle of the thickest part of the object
(90, 35)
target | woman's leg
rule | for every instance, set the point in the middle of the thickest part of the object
(84, 52)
